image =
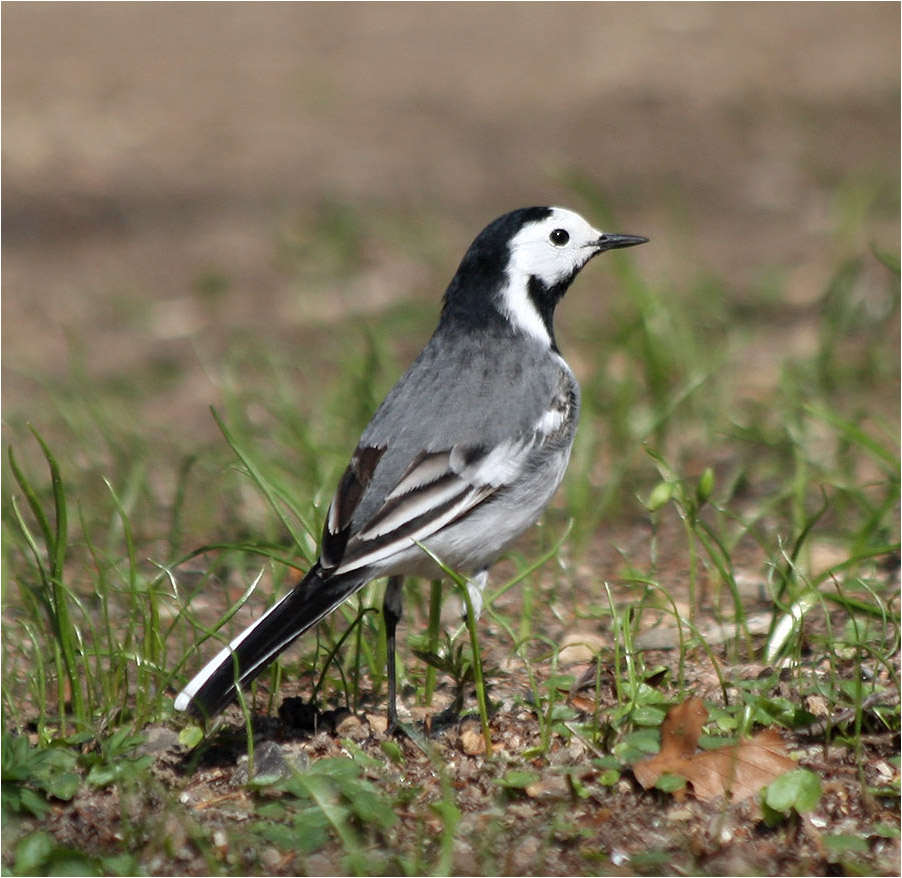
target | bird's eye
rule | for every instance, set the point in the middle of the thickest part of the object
(559, 237)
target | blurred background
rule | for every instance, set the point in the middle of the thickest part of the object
(257, 207)
(294, 164)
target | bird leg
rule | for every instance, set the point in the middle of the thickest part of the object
(392, 608)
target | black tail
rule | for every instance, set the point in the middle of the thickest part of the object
(211, 690)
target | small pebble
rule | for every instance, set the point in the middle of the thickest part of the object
(377, 722)
(580, 646)
(270, 857)
(158, 739)
(471, 739)
(553, 786)
(350, 726)
(269, 761)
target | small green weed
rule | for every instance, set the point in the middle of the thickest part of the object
(34, 775)
(38, 853)
(329, 799)
(794, 793)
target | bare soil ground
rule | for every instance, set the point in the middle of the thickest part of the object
(149, 147)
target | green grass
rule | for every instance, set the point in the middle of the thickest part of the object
(125, 556)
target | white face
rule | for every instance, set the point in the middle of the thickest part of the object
(553, 249)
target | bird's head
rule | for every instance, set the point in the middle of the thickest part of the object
(521, 265)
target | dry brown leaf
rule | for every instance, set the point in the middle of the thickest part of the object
(682, 727)
(739, 771)
(586, 705)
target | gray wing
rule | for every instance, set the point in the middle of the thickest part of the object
(430, 455)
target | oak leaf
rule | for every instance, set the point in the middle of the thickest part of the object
(739, 771)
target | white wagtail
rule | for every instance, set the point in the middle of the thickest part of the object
(463, 455)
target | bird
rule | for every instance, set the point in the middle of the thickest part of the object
(460, 459)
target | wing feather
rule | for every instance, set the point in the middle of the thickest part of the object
(436, 489)
(348, 494)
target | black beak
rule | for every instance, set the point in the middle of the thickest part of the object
(613, 242)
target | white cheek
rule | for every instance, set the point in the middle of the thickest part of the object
(548, 263)
(520, 309)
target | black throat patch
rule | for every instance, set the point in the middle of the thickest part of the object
(545, 298)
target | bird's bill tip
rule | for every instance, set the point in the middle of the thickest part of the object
(607, 241)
